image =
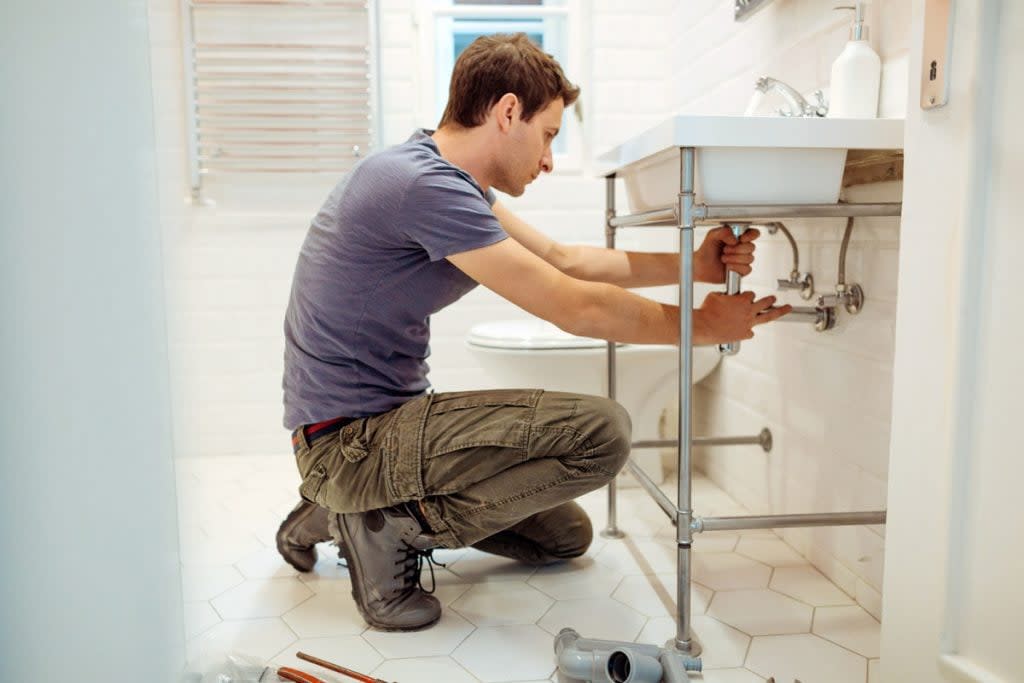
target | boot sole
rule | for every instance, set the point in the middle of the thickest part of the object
(356, 571)
(294, 516)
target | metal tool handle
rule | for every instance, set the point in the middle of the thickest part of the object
(732, 286)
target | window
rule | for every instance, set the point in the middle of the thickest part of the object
(448, 26)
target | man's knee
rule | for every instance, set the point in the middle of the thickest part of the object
(609, 431)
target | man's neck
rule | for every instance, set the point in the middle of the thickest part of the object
(468, 149)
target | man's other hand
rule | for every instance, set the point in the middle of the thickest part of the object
(726, 318)
(721, 251)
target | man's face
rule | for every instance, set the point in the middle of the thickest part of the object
(528, 152)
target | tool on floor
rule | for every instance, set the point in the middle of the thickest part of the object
(339, 669)
(290, 674)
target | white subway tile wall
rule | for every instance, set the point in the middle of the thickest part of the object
(826, 397)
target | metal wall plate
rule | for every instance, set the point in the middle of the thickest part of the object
(743, 9)
(937, 51)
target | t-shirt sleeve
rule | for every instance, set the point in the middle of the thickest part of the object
(446, 214)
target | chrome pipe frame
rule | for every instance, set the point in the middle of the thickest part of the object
(685, 641)
(611, 530)
(685, 216)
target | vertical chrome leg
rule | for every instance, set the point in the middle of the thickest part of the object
(685, 642)
(612, 529)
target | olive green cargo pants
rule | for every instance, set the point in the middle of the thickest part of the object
(493, 469)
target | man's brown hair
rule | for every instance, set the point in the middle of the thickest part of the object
(504, 63)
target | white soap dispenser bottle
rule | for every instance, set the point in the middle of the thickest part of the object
(856, 74)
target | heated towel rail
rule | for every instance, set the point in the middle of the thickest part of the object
(279, 86)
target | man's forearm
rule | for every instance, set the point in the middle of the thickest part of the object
(622, 268)
(610, 312)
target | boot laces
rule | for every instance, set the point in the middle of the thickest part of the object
(411, 566)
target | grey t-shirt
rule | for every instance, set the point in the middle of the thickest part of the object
(371, 272)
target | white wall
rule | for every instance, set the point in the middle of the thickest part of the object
(232, 263)
(825, 396)
(952, 586)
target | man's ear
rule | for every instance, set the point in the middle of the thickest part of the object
(506, 110)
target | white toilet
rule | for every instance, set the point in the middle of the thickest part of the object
(536, 354)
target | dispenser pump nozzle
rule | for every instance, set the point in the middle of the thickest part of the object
(858, 29)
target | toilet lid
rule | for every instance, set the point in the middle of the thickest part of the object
(527, 335)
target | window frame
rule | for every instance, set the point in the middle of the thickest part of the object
(429, 89)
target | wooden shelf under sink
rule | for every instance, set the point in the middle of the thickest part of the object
(864, 166)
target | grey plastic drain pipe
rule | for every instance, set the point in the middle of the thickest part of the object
(585, 660)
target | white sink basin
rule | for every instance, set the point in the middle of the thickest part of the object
(746, 159)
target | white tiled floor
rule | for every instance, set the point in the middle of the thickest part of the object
(759, 609)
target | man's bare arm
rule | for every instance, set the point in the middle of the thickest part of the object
(601, 310)
(628, 268)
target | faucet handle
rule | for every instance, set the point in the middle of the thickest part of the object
(821, 108)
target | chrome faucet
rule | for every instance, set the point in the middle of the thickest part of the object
(798, 106)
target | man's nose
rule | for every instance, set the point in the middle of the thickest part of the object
(547, 163)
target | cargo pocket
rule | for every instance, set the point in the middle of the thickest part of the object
(310, 487)
(351, 441)
(473, 420)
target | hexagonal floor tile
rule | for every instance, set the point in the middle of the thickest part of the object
(639, 556)
(259, 638)
(582, 577)
(773, 552)
(326, 614)
(502, 603)
(851, 627)
(729, 571)
(440, 639)
(423, 669)
(261, 598)
(723, 646)
(805, 657)
(714, 542)
(204, 583)
(265, 563)
(199, 617)
(729, 676)
(761, 612)
(508, 653)
(349, 651)
(328, 576)
(476, 566)
(601, 618)
(655, 595)
(808, 585)
(218, 550)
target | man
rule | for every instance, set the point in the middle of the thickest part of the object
(391, 471)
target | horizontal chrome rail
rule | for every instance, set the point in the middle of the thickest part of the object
(768, 211)
(652, 489)
(783, 521)
(666, 217)
(644, 218)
